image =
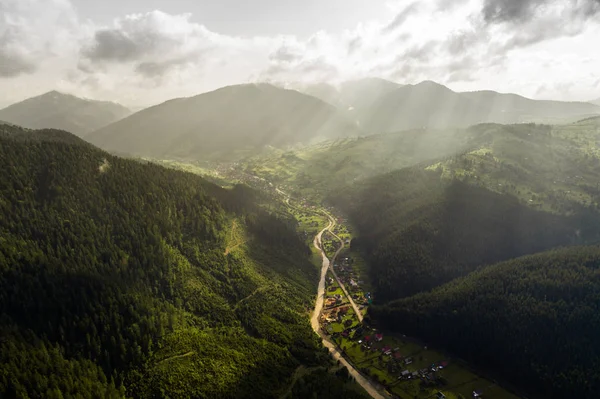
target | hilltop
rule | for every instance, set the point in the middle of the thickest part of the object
(224, 124)
(64, 112)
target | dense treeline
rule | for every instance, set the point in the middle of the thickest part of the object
(420, 231)
(534, 320)
(114, 282)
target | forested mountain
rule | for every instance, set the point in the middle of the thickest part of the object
(431, 105)
(533, 320)
(419, 230)
(63, 111)
(114, 282)
(551, 168)
(224, 124)
(317, 170)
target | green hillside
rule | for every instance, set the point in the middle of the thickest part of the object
(532, 320)
(552, 168)
(114, 282)
(419, 230)
(225, 124)
(56, 110)
(314, 171)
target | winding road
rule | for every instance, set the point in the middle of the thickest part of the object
(367, 385)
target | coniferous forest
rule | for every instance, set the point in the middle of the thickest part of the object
(114, 282)
(435, 249)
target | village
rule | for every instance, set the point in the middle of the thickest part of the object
(404, 368)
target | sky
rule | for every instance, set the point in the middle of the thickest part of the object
(142, 52)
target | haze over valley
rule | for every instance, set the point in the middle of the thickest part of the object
(327, 200)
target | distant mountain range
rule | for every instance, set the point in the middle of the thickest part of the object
(242, 120)
(63, 111)
(431, 105)
(225, 123)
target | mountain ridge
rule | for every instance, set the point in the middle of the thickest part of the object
(62, 111)
(219, 123)
(430, 104)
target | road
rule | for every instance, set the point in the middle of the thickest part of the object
(342, 286)
(314, 321)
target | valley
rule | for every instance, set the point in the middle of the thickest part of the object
(374, 359)
(319, 262)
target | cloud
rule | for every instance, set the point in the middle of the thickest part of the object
(519, 11)
(32, 31)
(462, 42)
(153, 43)
(509, 10)
(402, 16)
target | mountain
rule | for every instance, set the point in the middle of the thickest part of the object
(120, 278)
(431, 105)
(596, 101)
(225, 123)
(532, 320)
(63, 111)
(323, 91)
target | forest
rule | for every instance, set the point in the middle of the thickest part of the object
(533, 320)
(421, 231)
(114, 282)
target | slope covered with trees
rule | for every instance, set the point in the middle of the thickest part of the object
(533, 320)
(114, 281)
(419, 230)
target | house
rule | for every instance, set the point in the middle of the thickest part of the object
(440, 395)
(408, 361)
(379, 337)
(477, 394)
(405, 373)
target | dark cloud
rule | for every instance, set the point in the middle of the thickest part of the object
(13, 58)
(153, 69)
(113, 45)
(509, 10)
(159, 69)
(402, 16)
(13, 64)
(515, 11)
